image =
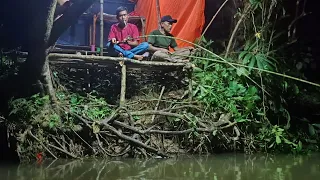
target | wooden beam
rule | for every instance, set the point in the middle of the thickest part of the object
(56, 56)
(123, 85)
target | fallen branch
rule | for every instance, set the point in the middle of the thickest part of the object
(83, 140)
(64, 151)
(112, 116)
(30, 133)
(187, 131)
(134, 141)
(151, 112)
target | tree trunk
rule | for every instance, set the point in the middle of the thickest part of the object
(34, 75)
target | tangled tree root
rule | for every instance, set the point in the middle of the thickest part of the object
(133, 130)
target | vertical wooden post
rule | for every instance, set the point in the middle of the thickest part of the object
(94, 30)
(90, 34)
(123, 85)
(101, 27)
(143, 30)
(158, 12)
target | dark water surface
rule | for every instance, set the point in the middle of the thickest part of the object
(215, 167)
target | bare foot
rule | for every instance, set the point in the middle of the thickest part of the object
(120, 55)
(138, 57)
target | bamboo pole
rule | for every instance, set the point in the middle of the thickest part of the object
(91, 58)
(101, 27)
(158, 12)
(90, 34)
(94, 30)
(123, 85)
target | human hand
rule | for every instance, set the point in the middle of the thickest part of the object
(165, 51)
(128, 39)
(114, 41)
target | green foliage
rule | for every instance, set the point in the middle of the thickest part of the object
(38, 110)
(221, 89)
(91, 107)
(25, 108)
(275, 138)
(257, 55)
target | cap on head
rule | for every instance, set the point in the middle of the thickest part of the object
(168, 18)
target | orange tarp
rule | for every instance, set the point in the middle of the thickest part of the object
(189, 13)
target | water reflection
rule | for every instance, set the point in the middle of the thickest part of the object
(219, 167)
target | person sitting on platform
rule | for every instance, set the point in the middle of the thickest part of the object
(123, 37)
(160, 45)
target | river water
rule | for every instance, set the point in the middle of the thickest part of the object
(215, 167)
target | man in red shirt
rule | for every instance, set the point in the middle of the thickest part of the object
(123, 37)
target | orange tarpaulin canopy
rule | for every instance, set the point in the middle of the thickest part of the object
(189, 13)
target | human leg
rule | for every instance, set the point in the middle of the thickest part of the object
(127, 54)
(182, 54)
(179, 56)
(141, 48)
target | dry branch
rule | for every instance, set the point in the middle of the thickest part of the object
(244, 14)
(187, 131)
(134, 141)
(157, 105)
(123, 85)
(151, 112)
(45, 147)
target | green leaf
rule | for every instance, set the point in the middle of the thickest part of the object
(95, 128)
(278, 140)
(214, 133)
(242, 120)
(300, 146)
(242, 54)
(285, 85)
(247, 58)
(51, 124)
(73, 100)
(197, 69)
(260, 62)
(253, 46)
(312, 131)
(316, 125)
(242, 71)
(296, 89)
(252, 63)
(136, 118)
(271, 145)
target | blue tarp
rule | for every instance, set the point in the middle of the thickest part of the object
(78, 34)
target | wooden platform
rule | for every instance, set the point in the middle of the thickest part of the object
(90, 60)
